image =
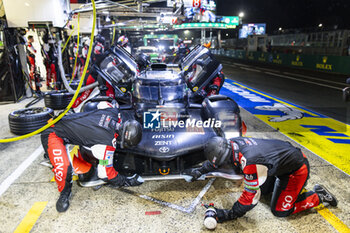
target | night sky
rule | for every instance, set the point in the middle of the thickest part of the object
(289, 13)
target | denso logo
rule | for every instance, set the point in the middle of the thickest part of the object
(163, 136)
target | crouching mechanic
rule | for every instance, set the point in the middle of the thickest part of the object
(268, 166)
(102, 131)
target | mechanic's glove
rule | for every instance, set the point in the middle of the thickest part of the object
(195, 173)
(134, 180)
(198, 172)
(225, 215)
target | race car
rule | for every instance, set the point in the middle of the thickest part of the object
(175, 128)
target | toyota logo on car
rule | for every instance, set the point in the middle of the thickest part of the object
(164, 149)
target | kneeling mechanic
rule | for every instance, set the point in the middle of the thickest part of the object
(103, 131)
(269, 166)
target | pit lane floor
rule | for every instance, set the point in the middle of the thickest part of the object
(29, 202)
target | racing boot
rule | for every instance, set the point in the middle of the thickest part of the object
(325, 196)
(116, 182)
(62, 203)
(134, 180)
(121, 180)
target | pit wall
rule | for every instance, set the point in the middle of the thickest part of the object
(333, 64)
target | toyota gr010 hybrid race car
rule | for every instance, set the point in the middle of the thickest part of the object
(175, 127)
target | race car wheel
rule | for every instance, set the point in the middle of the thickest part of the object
(57, 100)
(27, 120)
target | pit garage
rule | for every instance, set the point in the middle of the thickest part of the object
(140, 116)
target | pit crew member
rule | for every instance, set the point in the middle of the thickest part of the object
(123, 41)
(31, 51)
(268, 166)
(90, 80)
(100, 130)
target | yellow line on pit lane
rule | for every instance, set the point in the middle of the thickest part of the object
(31, 217)
(270, 97)
(332, 219)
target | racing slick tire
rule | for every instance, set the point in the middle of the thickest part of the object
(27, 120)
(57, 100)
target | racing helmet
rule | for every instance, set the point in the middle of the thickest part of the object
(100, 39)
(86, 41)
(123, 41)
(129, 133)
(217, 150)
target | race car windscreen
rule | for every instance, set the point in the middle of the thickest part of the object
(151, 93)
(113, 68)
(193, 55)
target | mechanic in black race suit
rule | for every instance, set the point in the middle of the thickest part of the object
(181, 51)
(100, 130)
(99, 48)
(269, 166)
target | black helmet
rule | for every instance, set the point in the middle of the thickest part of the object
(217, 150)
(129, 133)
(100, 39)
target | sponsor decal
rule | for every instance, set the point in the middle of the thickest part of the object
(286, 204)
(102, 119)
(277, 60)
(262, 57)
(289, 112)
(245, 94)
(324, 65)
(249, 177)
(163, 143)
(297, 61)
(58, 164)
(163, 136)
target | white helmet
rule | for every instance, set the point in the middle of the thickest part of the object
(86, 41)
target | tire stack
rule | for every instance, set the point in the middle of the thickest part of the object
(57, 100)
(28, 120)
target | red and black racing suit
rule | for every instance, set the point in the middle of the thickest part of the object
(85, 94)
(272, 166)
(31, 51)
(95, 130)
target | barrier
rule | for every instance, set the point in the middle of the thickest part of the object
(335, 64)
